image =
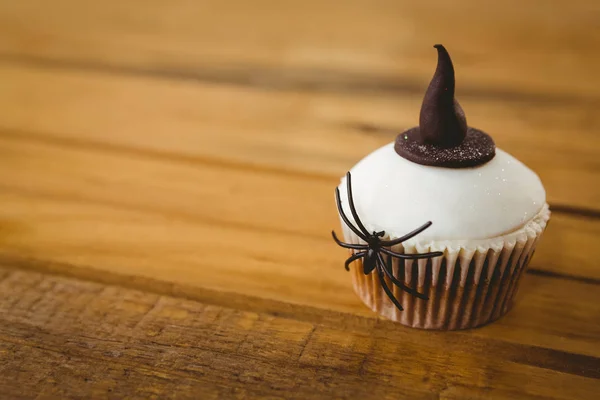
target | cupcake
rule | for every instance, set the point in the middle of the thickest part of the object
(440, 224)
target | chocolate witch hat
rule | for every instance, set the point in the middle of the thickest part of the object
(443, 138)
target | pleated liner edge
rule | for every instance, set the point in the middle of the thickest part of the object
(466, 287)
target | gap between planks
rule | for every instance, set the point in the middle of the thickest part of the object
(288, 79)
(511, 328)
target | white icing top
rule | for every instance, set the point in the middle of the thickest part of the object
(397, 196)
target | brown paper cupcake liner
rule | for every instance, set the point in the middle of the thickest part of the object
(472, 284)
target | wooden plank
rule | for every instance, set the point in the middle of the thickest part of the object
(100, 241)
(320, 134)
(507, 48)
(71, 338)
(211, 196)
(564, 247)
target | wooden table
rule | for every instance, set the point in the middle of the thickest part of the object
(166, 182)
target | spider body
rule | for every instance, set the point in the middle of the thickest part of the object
(372, 252)
(370, 261)
(369, 255)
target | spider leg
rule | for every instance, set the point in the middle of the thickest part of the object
(387, 289)
(345, 218)
(399, 283)
(412, 256)
(351, 204)
(407, 236)
(352, 258)
(348, 245)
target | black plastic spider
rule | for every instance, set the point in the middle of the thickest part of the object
(371, 253)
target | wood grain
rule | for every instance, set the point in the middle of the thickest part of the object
(151, 189)
(292, 132)
(166, 176)
(510, 48)
(158, 346)
(130, 248)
